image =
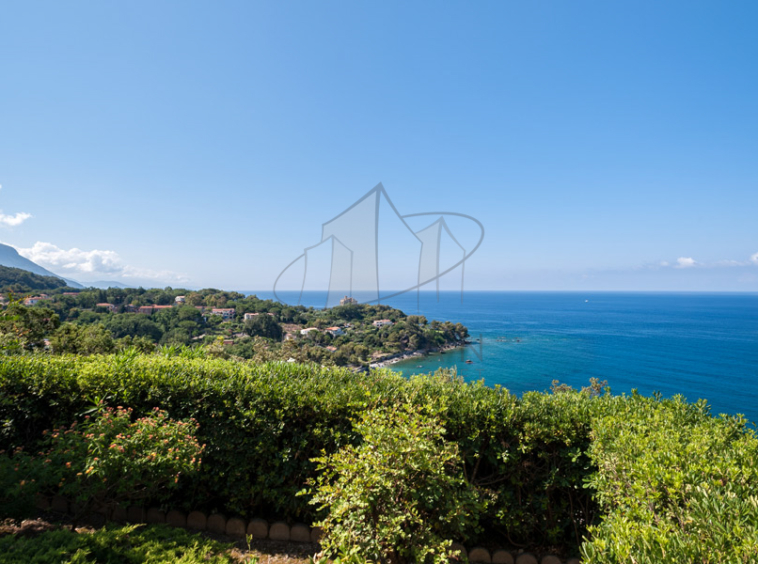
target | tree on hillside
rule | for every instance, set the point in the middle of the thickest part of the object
(78, 339)
(26, 327)
(264, 326)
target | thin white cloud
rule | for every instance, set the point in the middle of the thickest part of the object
(689, 262)
(91, 264)
(13, 220)
(685, 262)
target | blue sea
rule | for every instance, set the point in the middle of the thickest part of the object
(697, 345)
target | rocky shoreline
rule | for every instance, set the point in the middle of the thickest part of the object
(389, 360)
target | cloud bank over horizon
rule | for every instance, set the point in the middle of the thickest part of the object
(91, 265)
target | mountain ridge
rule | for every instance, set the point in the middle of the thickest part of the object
(11, 258)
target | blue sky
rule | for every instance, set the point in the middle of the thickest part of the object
(603, 145)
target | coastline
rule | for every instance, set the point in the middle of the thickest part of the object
(389, 360)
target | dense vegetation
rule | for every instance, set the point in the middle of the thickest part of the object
(19, 281)
(114, 545)
(104, 321)
(657, 479)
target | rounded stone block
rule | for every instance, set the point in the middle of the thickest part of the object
(236, 527)
(279, 531)
(502, 557)
(59, 504)
(176, 519)
(526, 558)
(155, 516)
(316, 534)
(119, 514)
(300, 533)
(258, 528)
(458, 547)
(479, 554)
(135, 514)
(550, 559)
(217, 523)
(197, 520)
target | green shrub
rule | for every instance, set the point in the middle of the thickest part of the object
(400, 495)
(106, 460)
(264, 423)
(676, 485)
(110, 458)
(19, 482)
(114, 545)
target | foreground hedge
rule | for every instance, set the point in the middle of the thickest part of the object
(656, 479)
(264, 423)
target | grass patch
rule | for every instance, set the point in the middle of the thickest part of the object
(114, 545)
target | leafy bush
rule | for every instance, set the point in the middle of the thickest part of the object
(114, 545)
(106, 460)
(109, 458)
(676, 485)
(400, 495)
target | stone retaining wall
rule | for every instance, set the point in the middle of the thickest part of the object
(278, 530)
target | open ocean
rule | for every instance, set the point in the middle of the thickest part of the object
(697, 345)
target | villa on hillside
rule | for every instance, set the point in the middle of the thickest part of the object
(382, 322)
(109, 307)
(254, 315)
(30, 301)
(226, 313)
(335, 331)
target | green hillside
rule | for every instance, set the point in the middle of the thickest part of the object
(21, 281)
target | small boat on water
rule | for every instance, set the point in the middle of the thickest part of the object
(469, 362)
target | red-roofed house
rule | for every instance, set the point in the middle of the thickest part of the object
(225, 312)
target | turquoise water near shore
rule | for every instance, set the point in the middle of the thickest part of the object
(697, 345)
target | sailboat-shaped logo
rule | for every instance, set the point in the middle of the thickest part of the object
(369, 251)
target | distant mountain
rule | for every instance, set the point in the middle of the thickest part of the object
(10, 257)
(21, 281)
(105, 284)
